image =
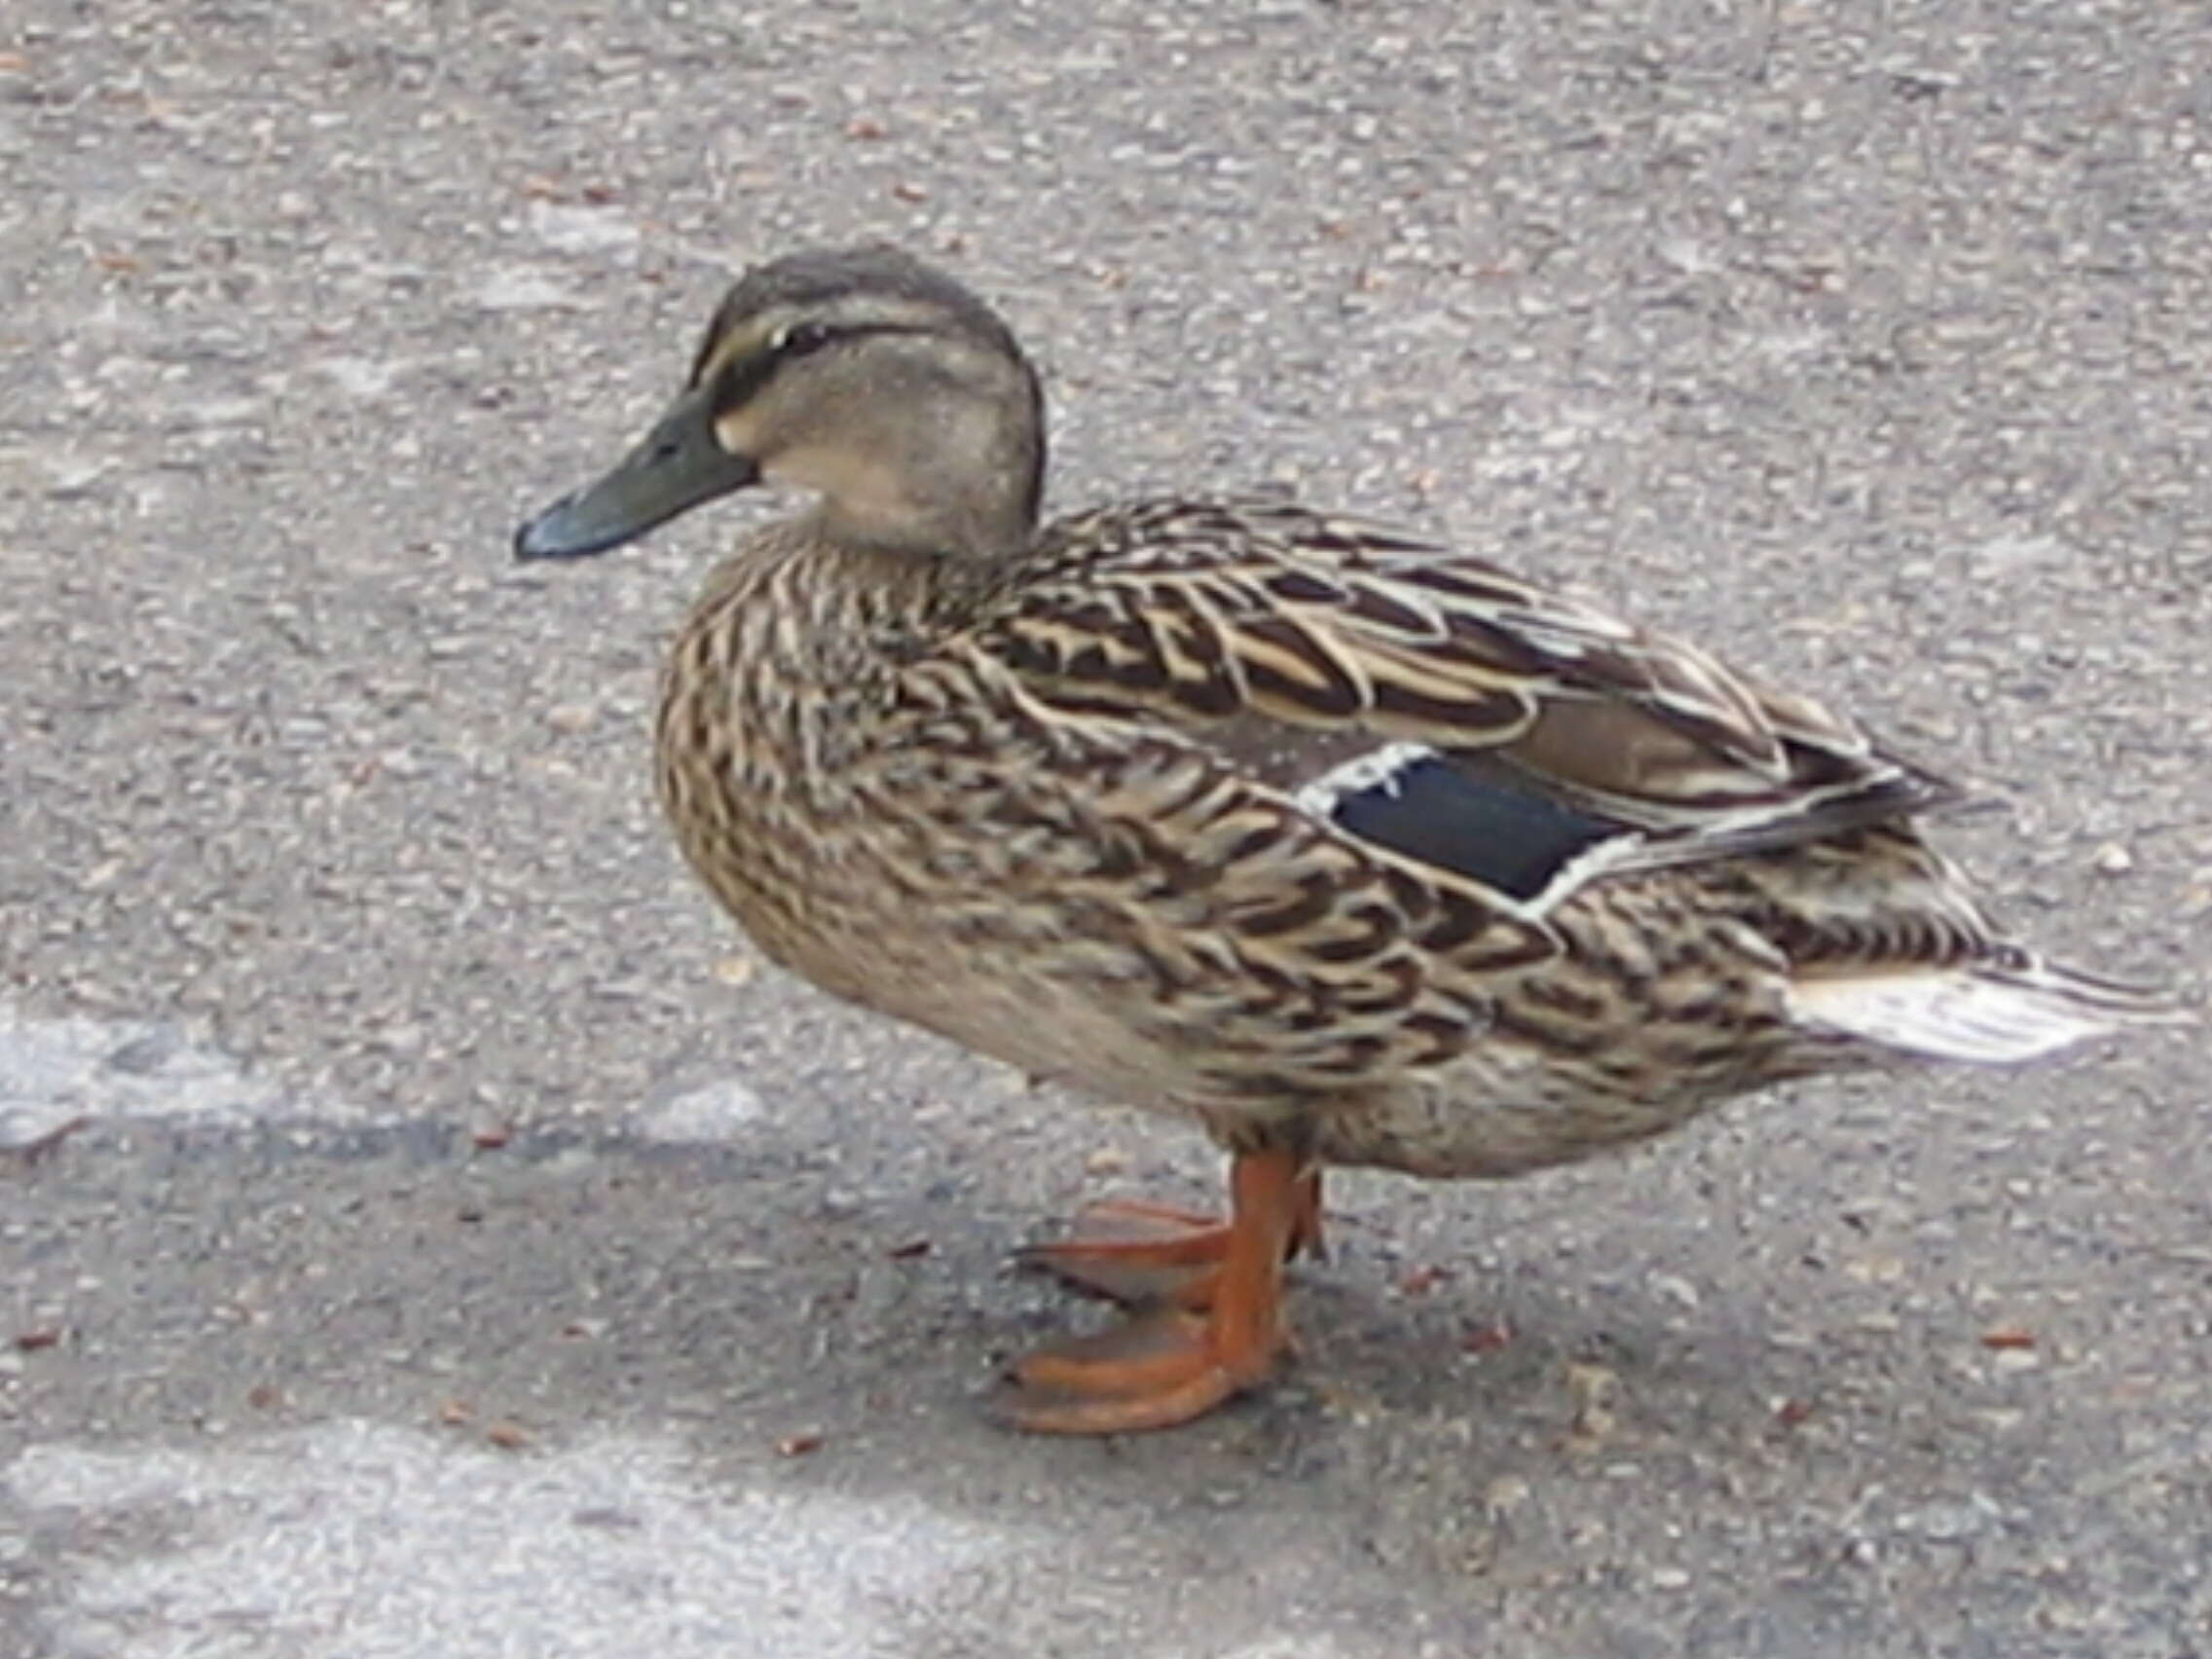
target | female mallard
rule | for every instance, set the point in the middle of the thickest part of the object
(1355, 849)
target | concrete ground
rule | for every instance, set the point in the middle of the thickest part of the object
(426, 1229)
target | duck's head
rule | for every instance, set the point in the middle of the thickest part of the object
(863, 374)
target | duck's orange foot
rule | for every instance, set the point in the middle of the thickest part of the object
(1139, 1253)
(1157, 1370)
(1214, 1327)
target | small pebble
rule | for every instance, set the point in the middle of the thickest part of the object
(1487, 1339)
(1504, 1494)
(1595, 1391)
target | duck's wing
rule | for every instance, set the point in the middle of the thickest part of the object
(1432, 703)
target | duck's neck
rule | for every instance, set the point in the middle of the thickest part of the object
(921, 521)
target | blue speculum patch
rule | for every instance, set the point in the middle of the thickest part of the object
(1510, 838)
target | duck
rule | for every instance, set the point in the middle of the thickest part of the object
(1352, 848)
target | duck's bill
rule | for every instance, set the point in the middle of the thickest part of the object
(677, 466)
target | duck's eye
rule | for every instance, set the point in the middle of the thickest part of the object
(802, 337)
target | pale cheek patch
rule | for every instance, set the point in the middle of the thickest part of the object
(736, 431)
(861, 488)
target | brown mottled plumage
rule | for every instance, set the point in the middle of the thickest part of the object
(1355, 849)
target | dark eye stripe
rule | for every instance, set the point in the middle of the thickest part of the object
(804, 338)
(741, 381)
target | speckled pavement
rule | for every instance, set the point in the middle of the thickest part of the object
(426, 1229)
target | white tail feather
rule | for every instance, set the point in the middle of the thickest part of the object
(1983, 1014)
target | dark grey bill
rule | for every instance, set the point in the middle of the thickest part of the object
(679, 465)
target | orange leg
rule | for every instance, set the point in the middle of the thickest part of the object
(1171, 1364)
(1137, 1252)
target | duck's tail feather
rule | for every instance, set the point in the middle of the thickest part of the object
(1997, 1011)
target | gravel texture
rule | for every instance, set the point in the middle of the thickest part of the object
(427, 1228)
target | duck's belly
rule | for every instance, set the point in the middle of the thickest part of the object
(1514, 1102)
(1090, 1018)
(1087, 1022)
(1507, 1109)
